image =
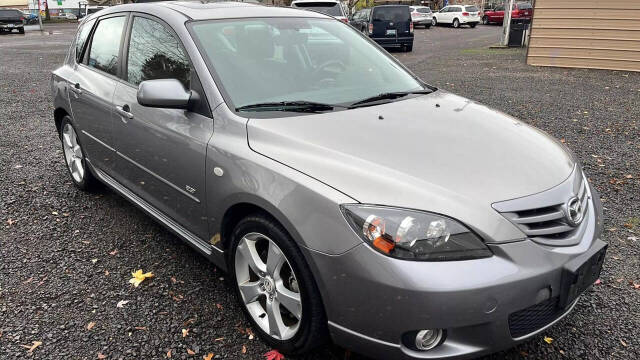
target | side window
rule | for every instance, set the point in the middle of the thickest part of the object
(155, 53)
(105, 44)
(81, 39)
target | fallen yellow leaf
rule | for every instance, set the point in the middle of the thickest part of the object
(32, 347)
(191, 352)
(548, 340)
(90, 325)
(209, 356)
(185, 332)
(139, 277)
(169, 354)
(101, 356)
(244, 349)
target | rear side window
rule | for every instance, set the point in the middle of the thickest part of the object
(424, 10)
(524, 6)
(155, 53)
(81, 39)
(328, 8)
(105, 44)
(455, 9)
(471, 8)
(391, 13)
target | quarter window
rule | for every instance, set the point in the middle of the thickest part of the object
(83, 34)
(105, 45)
(155, 53)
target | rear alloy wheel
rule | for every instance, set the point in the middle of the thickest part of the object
(456, 23)
(74, 156)
(485, 20)
(275, 286)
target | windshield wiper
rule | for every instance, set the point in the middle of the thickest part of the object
(389, 95)
(295, 106)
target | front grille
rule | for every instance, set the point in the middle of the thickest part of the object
(543, 217)
(534, 317)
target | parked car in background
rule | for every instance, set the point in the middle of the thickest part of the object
(29, 18)
(329, 7)
(521, 10)
(388, 25)
(421, 16)
(70, 16)
(457, 15)
(11, 19)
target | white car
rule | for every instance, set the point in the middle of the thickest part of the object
(457, 15)
(421, 15)
(328, 7)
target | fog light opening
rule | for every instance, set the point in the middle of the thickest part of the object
(428, 339)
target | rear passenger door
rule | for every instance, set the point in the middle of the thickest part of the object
(161, 151)
(92, 86)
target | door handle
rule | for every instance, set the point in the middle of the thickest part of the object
(76, 89)
(124, 112)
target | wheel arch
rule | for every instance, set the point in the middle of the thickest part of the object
(59, 114)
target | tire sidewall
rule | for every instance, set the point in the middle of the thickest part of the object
(257, 223)
(456, 23)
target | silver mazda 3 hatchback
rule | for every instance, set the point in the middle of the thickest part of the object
(347, 199)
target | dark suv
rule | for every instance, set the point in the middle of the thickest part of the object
(388, 25)
(11, 19)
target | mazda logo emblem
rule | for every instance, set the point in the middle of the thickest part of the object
(574, 211)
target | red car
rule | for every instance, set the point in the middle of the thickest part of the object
(521, 10)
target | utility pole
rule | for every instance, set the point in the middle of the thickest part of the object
(39, 16)
(506, 23)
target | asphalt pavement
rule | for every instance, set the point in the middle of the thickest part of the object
(66, 256)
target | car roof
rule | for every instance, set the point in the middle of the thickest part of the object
(211, 10)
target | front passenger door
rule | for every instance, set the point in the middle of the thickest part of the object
(162, 151)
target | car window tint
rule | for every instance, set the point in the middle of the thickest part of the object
(391, 13)
(155, 53)
(471, 8)
(424, 10)
(524, 6)
(83, 34)
(332, 9)
(500, 8)
(105, 45)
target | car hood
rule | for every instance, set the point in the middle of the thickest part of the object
(437, 152)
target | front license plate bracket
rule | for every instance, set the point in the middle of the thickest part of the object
(579, 274)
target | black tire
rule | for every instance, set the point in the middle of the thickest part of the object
(312, 331)
(434, 21)
(485, 20)
(88, 182)
(21, 30)
(455, 23)
(472, 25)
(427, 26)
(408, 48)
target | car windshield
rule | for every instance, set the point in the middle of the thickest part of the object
(471, 9)
(270, 60)
(328, 8)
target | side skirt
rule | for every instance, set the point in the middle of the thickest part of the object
(212, 253)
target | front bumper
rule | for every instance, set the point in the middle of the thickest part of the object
(11, 26)
(371, 300)
(470, 20)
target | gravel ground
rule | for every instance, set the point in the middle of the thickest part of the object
(66, 256)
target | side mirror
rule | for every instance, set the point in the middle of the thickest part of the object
(164, 93)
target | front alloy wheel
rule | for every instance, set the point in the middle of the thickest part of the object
(456, 23)
(268, 286)
(275, 286)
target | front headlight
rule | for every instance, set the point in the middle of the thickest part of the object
(414, 235)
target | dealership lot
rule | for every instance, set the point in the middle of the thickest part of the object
(66, 256)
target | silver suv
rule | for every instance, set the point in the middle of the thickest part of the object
(347, 198)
